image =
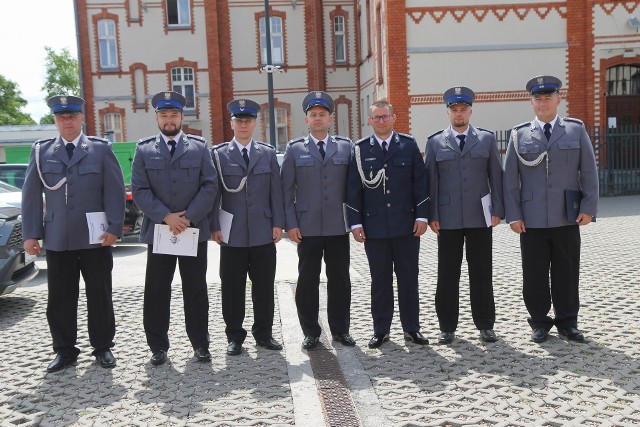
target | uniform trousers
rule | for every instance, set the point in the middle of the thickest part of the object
(551, 252)
(63, 272)
(479, 259)
(157, 297)
(335, 250)
(259, 262)
(399, 254)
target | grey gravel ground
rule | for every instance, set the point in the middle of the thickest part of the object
(513, 382)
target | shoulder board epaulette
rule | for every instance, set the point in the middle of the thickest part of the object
(485, 130)
(147, 139)
(295, 141)
(217, 146)
(196, 137)
(360, 141)
(522, 125)
(435, 133)
(98, 139)
(53, 138)
(264, 144)
(406, 135)
(571, 119)
(343, 138)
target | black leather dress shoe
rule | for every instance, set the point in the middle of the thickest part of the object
(106, 359)
(377, 340)
(487, 335)
(571, 334)
(234, 348)
(202, 354)
(269, 344)
(344, 339)
(416, 337)
(158, 358)
(539, 335)
(446, 337)
(60, 362)
(310, 342)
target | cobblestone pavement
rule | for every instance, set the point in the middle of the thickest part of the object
(513, 382)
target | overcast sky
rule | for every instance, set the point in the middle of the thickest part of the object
(29, 26)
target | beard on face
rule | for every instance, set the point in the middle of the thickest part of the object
(171, 132)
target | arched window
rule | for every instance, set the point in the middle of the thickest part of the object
(623, 80)
(107, 43)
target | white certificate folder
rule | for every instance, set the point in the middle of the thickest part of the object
(183, 244)
(97, 223)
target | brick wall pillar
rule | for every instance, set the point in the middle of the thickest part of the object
(314, 38)
(580, 70)
(397, 63)
(220, 77)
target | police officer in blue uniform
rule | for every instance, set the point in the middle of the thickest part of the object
(387, 208)
(78, 174)
(463, 166)
(314, 180)
(249, 188)
(174, 183)
(549, 160)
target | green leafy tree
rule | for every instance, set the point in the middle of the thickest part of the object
(63, 77)
(11, 103)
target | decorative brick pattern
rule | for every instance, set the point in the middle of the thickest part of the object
(609, 6)
(580, 69)
(343, 100)
(314, 45)
(480, 12)
(132, 71)
(111, 108)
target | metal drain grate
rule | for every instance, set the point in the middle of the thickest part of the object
(332, 388)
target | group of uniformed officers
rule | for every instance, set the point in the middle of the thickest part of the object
(379, 188)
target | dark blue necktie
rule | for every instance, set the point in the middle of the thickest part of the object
(547, 130)
(461, 137)
(384, 148)
(172, 144)
(321, 148)
(69, 147)
(245, 156)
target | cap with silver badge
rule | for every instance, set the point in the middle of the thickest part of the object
(543, 84)
(65, 104)
(458, 95)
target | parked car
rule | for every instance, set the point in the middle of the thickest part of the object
(13, 174)
(16, 266)
(10, 195)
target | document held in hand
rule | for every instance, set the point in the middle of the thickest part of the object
(225, 219)
(97, 223)
(486, 208)
(165, 242)
(572, 200)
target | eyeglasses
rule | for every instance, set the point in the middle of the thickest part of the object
(377, 119)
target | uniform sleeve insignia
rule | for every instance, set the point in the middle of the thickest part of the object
(435, 133)
(485, 130)
(197, 138)
(98, 139)
(147, 139)
(264, 144)
(572, 120)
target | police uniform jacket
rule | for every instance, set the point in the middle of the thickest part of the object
(458, 180)
(94, 184)
(162, 184)
(258, 207)
(535, 194)
(315, 189)
(391, 209)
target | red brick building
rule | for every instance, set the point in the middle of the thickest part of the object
(409, 51)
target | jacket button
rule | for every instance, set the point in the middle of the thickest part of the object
(388, 191)
(388, 205)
